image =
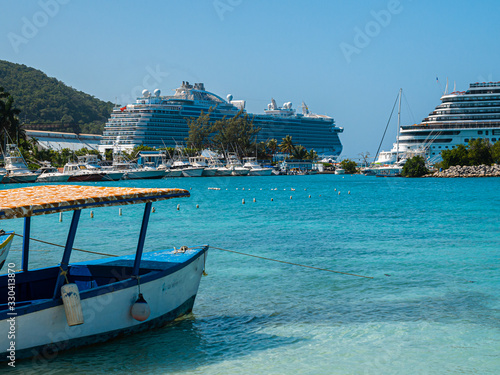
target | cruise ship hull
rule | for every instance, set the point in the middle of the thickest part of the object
(461, 117)
(159, 121)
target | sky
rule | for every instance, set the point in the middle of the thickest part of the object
(346, 59)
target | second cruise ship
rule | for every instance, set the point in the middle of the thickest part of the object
(461, 116)
(158, 121)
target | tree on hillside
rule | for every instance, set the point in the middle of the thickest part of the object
(9, 120)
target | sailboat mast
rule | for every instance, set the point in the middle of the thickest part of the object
(399, 122)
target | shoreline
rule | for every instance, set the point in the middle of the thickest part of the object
(457, 171)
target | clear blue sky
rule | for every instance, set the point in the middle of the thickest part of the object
(346, 59)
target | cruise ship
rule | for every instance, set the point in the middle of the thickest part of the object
(461, 116)
(159, 121)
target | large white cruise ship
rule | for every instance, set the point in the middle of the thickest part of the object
(159, 121)
(461, 116)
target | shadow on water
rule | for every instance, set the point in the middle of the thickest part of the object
(181, 346)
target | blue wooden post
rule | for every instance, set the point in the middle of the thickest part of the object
(67, 252)
(142, 239)
(26, 242)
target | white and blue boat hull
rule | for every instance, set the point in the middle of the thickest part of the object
(168, 281)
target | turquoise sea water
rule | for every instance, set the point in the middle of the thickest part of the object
(432, 247)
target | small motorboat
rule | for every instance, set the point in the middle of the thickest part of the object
(69, 305)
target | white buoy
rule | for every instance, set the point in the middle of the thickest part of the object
(140, 309)
(60, 217)
(120, 211)
(72, 305)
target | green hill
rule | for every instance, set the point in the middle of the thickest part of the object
(48, 104)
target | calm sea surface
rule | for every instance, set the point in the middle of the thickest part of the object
(432, 247)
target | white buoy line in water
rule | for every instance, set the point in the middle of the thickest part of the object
(254, 200)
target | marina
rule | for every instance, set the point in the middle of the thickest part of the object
(431, 307)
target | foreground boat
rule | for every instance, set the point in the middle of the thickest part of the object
(117, 296)
(5, 243)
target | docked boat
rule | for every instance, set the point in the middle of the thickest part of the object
(460, 117)
(69, 305)
(132, 171)
(92, 163)
(339, 171)
(201, 162)
(235, 166)
(255, 169)
(158, 121)
(48, 173)
(16, 169)
(5, 243)
(222, 170)
(79, 172)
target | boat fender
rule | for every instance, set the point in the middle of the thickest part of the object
(140, 309)
(72, 304)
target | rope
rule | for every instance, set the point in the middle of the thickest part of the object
(185, 248)
(54, 244)
(293, 264)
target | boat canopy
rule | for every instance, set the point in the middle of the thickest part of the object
(47, 199)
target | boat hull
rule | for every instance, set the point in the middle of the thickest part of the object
(192, 172)
(86, 177)
(174, 173)
(169, 288)
(53, 178)
(19, 178)
(209, 172)
(260, 172)
(144, 175)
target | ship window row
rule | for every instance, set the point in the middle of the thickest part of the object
(471, 98)
(466, 105)
(460, 111)
(430, 132)
(445, 118)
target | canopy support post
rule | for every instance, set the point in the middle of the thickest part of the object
(142, 239)
(26, 242)
(67, 252)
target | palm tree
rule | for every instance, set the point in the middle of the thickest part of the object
(286, 145)
(299, 152)
(313, 155)
(272, 145)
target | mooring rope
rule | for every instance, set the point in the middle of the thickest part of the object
(290, 263)
(55, 244)
(185, 248)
